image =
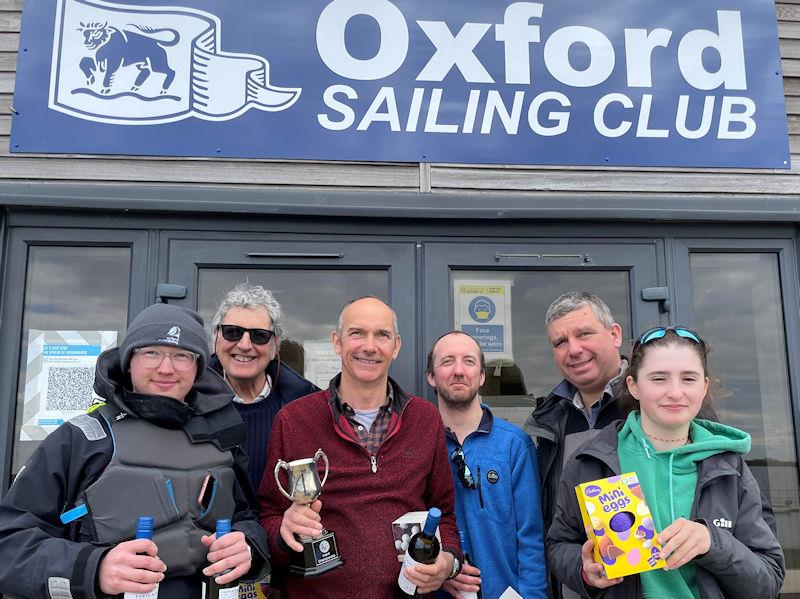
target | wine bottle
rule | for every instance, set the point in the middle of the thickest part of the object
(144, 530)
(211, 588)
(423, 548)
(467, 550)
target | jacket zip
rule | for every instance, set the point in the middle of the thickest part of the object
(373, 459)
(480, 492)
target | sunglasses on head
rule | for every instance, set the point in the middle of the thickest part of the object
(463, 471)
(232, 332)
(659, 332)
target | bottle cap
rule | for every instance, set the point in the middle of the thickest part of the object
(434, 515)
(144, 527)
(223, 526)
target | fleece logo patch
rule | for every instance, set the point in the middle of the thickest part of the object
(492, 476)
(173, 336)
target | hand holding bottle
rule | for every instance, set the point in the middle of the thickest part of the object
(131, 567)
(228, 553)
(429, 577)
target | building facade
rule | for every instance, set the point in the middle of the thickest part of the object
(88, 241)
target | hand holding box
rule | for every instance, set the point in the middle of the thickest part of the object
(617, 517)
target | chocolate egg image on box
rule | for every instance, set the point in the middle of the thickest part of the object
(621, 522)
(608, 551)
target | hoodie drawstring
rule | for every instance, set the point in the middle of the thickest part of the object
(671, 494)
(646, 449)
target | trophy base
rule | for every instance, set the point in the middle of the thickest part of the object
(319, 555)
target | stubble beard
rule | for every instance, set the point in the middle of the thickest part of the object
(461, 405)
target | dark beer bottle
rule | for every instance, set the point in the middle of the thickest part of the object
(466, 548)
(144, 530)
(423, 548)
(211, 588)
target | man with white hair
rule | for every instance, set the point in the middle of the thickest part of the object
(248, 329)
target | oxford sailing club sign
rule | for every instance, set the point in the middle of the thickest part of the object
(623, 82)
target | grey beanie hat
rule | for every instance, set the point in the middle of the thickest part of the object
(163, 324)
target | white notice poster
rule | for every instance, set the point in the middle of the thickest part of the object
(320, 362)
(483, 310)
(59, 378)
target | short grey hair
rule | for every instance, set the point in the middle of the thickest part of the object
(573, 300)
(340, 321)
(251, 297)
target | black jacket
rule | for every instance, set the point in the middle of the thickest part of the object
(39, 553)
(554, 418)
(287, 386)
(744, 561)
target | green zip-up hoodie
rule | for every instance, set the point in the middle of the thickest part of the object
(668, 480)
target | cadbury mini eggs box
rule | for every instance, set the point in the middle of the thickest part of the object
(617, 518)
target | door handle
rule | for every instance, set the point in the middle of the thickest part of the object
(168, 291)
(657, 294)
(292, 255)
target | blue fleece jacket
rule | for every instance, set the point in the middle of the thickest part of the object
(502, 515)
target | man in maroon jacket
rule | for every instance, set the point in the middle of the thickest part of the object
(387, 455)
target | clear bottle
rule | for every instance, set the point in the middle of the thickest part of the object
(466, 548)
(144, 530)
(211, 588)
(423, 548)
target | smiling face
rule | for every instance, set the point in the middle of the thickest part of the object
(367, 343)
(243, 360)
(586, 352)
(670, 387)
(457, 372)
(162, 379)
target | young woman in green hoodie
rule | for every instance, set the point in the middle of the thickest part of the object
(703, 497)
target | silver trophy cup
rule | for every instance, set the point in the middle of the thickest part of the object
(320, 553)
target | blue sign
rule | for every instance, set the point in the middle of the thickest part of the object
(481, 309)
(575, 82)
(489, 337)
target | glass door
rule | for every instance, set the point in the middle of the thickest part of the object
(500, 292)
(738, 295)
(312, 280)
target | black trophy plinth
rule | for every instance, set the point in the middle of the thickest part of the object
(319, 555)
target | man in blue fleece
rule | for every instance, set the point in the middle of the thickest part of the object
(496, 470)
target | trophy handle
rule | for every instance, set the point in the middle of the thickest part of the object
(285, 466)
(317, 456)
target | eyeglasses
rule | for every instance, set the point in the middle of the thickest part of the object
(152, 358)
(464, 473)
(232, 332)
(659, 332)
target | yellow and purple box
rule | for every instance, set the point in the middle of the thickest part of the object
(617, 518)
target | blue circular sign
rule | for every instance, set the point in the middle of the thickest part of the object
(481, 309)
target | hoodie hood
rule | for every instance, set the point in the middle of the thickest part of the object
(207, 414)
(707, 438)
(209, 392)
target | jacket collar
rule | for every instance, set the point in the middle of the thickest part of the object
(399, 397)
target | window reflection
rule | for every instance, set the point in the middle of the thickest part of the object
(511, 388)
(311, 300)
(69, 289)
(738, 309)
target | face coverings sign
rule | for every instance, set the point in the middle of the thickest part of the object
(642, 83)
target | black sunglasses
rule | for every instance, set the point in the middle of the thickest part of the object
(463, 471)
(232, 332)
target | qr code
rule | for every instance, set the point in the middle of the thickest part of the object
(69, 388)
